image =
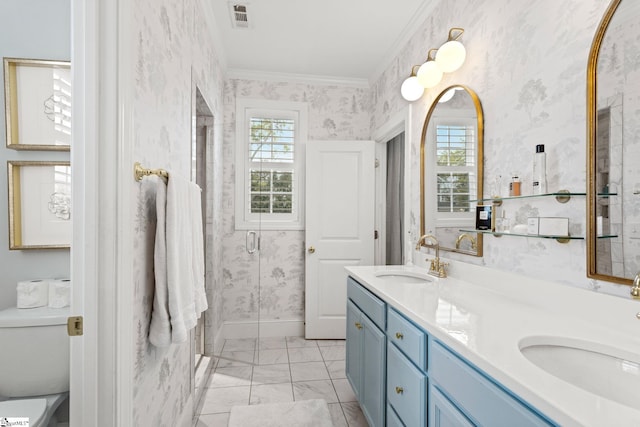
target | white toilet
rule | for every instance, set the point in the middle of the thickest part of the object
(34, 363)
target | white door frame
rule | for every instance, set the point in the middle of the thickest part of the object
(102, 177)
(398, 123)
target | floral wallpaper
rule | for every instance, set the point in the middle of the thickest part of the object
(527, 63)
(335, 113)
(173, 51)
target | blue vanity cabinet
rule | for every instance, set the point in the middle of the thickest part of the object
(366, 351)
(473, 395)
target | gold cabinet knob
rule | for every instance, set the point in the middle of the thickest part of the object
(399, 390)
(638, 316)
(399, 335)
(311, 249)
(358, 325)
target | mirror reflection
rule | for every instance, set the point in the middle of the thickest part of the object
(451, 168)
(614, 181)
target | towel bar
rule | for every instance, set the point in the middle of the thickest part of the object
(139, 172)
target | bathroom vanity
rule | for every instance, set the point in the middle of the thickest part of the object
(495, 350)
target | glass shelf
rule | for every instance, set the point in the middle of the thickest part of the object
(561, 239)
(606, 194)
(561, 196)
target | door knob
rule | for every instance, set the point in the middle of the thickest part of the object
(311, 249)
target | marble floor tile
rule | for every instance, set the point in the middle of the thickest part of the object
(272, 343)
(337, 416)
(230, 359)
(214, 420)
(272, 357)
(293, 414)
(271, 393)
(322, 389)
(344, 391)
(354, 415)
(217, 400)
(297, 342)
(231, 377)
(306, 354)
(336, 369)
(330, 343)
(333, 353)
(239, 344)
(308, 371)
(271, 374)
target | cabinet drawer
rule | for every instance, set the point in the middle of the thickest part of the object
(478, 397)
(408, 337)
(406, 388)
(370, 304)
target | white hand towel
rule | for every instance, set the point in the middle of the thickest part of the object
(59, 293)
(32, 293)
(185, 257)
(155, 190)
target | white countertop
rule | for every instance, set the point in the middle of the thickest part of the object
(483, 314)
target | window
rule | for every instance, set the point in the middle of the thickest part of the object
(455, 165)
(269, 164)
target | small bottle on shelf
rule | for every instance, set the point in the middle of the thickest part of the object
(540, 170)
(514, 186)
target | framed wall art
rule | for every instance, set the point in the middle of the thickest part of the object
(37, 104)
(39, 205)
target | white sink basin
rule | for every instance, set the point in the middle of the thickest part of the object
(605, 371)
(402, 276)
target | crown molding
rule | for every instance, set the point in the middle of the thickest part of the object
(206, 7)
(244, 74)
(407, 33)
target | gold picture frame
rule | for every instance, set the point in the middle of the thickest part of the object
(37, 96)
(39, 205)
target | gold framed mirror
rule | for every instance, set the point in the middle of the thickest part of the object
(613, 189)
(451, 168)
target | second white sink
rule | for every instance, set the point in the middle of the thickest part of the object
(605, 371)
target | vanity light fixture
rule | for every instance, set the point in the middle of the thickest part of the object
(452, 54)
(429, 74)
(411, 89)
(448, 58)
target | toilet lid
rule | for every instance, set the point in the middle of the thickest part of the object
(33, 409)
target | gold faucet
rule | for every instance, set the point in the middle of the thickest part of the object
(635, 288)
(437, 268)
(463, 236)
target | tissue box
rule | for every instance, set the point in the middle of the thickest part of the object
(548, 226)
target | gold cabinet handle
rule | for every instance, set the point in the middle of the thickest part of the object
(399, 390)
(399, 335)
(311, 249)
(358, 325)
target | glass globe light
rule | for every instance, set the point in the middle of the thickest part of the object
(429, 74)
(447, 95)
(411, 90)
(451, 56)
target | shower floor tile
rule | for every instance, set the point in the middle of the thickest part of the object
(273, 370)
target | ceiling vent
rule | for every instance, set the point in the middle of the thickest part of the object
(239, 16)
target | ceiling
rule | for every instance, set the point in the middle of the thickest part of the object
(331, 39)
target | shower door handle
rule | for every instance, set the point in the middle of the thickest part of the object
(250, 249)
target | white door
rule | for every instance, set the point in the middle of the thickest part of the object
(339, 229)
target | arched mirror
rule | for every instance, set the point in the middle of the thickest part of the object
(613, 100)
(451, 165)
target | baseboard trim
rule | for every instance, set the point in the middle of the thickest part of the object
(264, 328)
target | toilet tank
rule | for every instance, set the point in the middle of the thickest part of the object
(34, 351)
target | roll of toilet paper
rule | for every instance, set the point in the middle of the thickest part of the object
(33, 293)
(59, 293)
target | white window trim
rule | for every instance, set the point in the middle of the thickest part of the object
(243, 219)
